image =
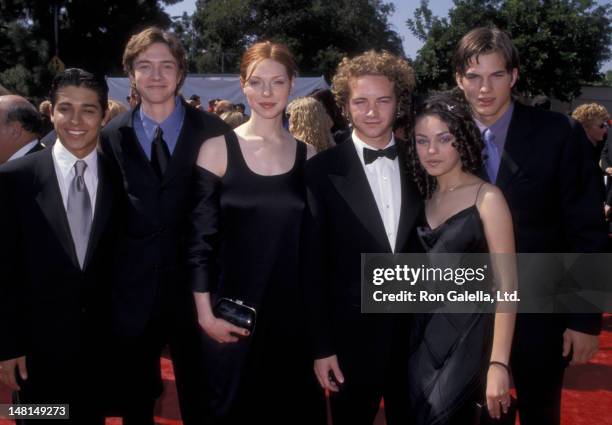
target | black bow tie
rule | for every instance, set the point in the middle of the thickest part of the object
(370, 155)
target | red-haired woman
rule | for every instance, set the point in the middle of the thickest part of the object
(244, 245)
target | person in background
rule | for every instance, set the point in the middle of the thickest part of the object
(223, 106)
(594, 119)
(542, 102)
(114, 110)
(211, 105)
(240, 107)
(340, 130)
(20, 128)
(234, 118)
(45, 111)
(310, 123)
(194, 100)
(133, 99)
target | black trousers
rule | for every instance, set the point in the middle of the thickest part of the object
(137, 358)
(368, 379)
(73, 379)
(538, 367)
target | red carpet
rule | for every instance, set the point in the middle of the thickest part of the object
(587, 393)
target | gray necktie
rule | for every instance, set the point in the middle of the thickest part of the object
(79, 211)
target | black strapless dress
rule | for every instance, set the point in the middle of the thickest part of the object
(447, 369)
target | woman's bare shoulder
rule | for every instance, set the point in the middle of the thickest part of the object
(213, 155)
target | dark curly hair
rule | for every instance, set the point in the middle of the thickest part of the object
(468, 140)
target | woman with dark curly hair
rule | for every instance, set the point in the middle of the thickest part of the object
(456, 359)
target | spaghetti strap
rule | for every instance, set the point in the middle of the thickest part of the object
(478, 193)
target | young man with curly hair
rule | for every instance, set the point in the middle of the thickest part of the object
(359, 200)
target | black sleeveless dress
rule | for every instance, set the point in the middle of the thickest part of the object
(244, 244)
(448, 367)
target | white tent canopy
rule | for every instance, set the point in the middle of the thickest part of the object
(215, 86)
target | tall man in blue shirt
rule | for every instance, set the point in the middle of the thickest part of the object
(155, 146)
(539, 159)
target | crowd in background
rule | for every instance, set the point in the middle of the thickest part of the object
(187, 209)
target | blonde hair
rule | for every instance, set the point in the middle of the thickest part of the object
(590, 112)
(309, 122)
(114, 109)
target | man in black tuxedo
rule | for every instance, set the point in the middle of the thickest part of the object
(155, 146)
(57, 233)
(20, 127)
(540, 160)
(360, 200)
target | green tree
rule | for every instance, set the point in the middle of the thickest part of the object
(91, 35)
(319, 32)
(561, 43)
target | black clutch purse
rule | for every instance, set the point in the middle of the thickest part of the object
(236, 312)
(483, 418)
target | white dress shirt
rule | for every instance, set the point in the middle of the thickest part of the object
(385, 181)
(25, 149)
(64, 162)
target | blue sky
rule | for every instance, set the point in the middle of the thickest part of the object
(404, 9)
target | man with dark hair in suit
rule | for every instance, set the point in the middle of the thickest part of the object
(56, 223)
(540, 160)
(155, 146)
(360, 200)
(20, 127)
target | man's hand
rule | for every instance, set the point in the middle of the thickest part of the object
(8, 368)
(584, 346)
(322, 369)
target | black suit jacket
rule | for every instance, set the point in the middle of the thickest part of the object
(152, 243)
(48, 305)
(342, 222)
(554, 191)
(606, 162)
(37, 147)
(49, 138)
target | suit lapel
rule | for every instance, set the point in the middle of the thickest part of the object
(411, 202)
(37, 147)
(102, 210)
(49, 200)
(352, 184)
(516, 151)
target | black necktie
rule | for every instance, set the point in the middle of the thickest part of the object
(370, 155)
(160, 154)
